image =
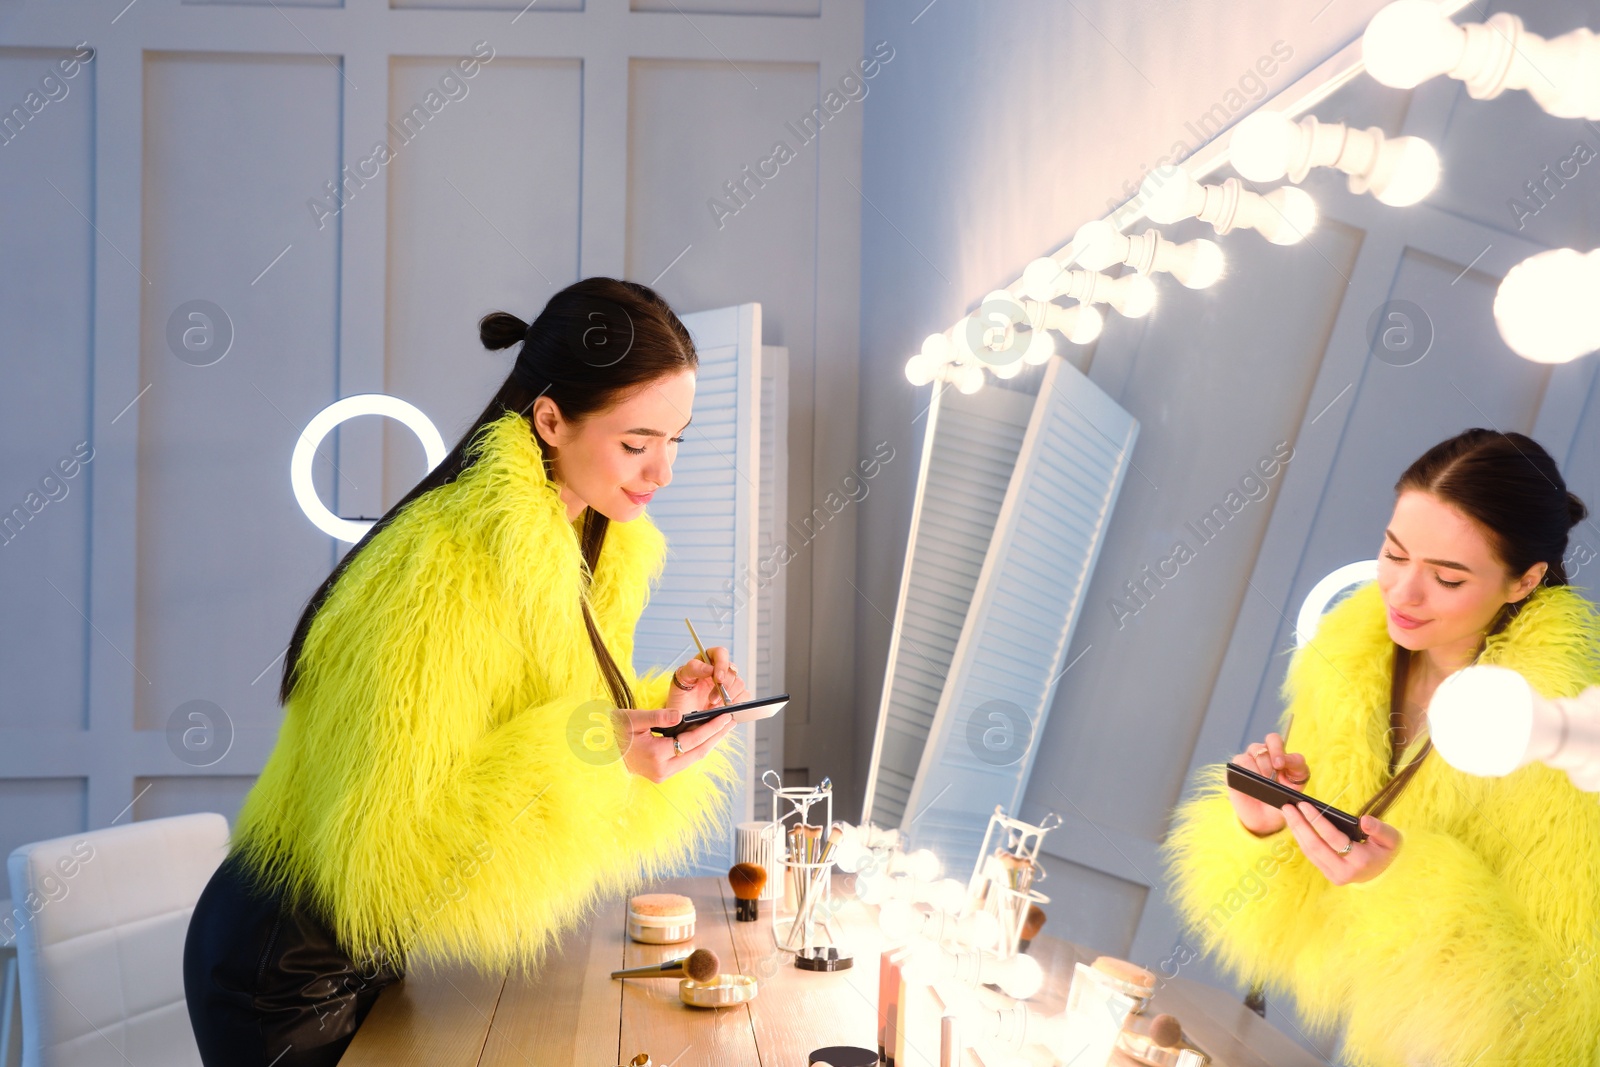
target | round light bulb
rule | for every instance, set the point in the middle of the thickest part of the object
(936, 349)
(1098, 246)
(1020, 976)
(1041, 277)
(1481, 720)
(1007, 370)
(961, 340)
(1262, 145)
(1136, 296)
(918, 371)
(1409, 42)
(1166, 193)
(1545, 307)
(1296, 215)
(1415, 172)
(968, 378)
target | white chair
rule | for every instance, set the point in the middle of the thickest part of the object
(101, 921)
(10, 998)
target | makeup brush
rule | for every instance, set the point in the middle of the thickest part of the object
(702, 965)
(747, 880)
(1166, 1031)
(1031, 926)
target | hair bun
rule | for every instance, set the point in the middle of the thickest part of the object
(501, 329)
(1576, 512)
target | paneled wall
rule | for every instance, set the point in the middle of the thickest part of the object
(230, 215)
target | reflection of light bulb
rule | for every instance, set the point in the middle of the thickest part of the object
(1040, 277)
(1196, 264)
(1040, 347)
(873, 888)
(1293, 214)
(1408, 170)
(924, 865)
(1018, 976)
(1262, 144)
(1081, 323)
(918, 371)
(1545, 307)
(899, 920)
(1409, 42)
(1133, 296)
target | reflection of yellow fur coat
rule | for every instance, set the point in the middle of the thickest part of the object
(1482, 938)
(427, 790)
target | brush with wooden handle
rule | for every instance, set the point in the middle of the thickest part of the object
(702, 965)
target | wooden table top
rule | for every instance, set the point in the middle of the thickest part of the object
(575, 1013)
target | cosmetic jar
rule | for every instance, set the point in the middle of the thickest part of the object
(661, 918)
(722, 991)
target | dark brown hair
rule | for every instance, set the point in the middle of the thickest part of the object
(594, 343)
(1507, 484)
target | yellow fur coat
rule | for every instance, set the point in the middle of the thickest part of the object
(438, 785)
(1480, 943)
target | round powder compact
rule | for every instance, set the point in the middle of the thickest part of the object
(1129, 978)
(722, 991)
(660, 918)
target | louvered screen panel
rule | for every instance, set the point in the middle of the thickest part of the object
(975, 444)
(1012, 648)
(770, 601)
(709, 515)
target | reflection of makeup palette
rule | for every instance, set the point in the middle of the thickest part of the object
(725, 990)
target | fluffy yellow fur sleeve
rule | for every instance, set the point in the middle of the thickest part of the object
(446, 782)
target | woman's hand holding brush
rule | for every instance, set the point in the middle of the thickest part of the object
(705, 681)
(1267, 758)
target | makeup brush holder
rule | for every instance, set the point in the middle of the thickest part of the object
(804, 901)
(1009, 846)
(1010, 908)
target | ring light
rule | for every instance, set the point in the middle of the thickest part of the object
(319, 427)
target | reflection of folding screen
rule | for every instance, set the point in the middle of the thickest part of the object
(961, 485)
(710, 516)
(1006, 629)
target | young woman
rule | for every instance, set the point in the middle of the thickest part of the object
(453, 778)
(1466, 928)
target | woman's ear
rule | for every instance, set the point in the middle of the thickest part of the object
(547, 421)
(1529, 581)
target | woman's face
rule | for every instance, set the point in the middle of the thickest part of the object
(613, 460)
(1441, 580)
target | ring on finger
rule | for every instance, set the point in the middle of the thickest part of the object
(677, 746)
(1348, 845)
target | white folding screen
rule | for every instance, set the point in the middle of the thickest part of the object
(767, 581)
(1027, 601)
(710, 515)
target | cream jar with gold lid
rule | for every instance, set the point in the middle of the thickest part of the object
(661, 918)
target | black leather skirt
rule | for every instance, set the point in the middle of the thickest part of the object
(268, 985)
